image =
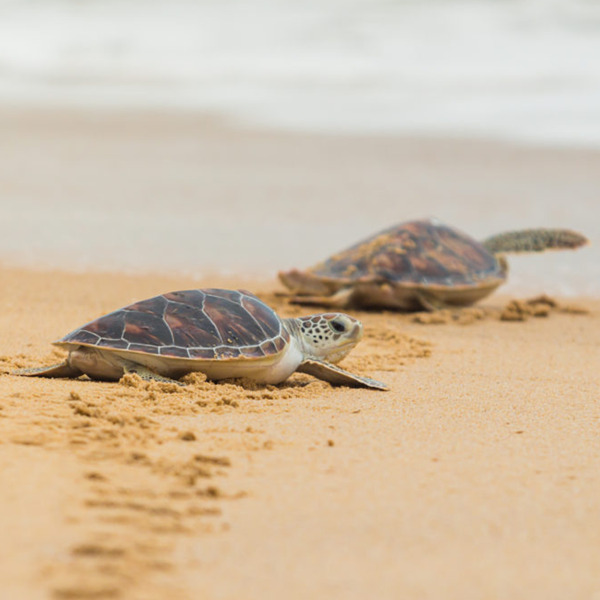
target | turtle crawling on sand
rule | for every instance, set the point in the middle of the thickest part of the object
(222, 333)
(418, 265)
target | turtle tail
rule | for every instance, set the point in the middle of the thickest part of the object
(534, 240)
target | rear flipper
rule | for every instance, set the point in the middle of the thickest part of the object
(63, 369)
(337, 376)
(341, 299)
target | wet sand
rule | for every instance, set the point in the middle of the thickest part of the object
(154, 192)
(476, 476)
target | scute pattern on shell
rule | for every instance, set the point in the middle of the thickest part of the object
(420, 252)
(210, 324)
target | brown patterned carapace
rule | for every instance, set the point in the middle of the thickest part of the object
(199, 324)
(414, 252)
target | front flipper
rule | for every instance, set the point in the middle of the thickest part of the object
(148, 375)
(337, 376)
(63, 369)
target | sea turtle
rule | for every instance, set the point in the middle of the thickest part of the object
(222, 333)
(418, 265)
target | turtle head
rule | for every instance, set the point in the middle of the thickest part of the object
(327, 336)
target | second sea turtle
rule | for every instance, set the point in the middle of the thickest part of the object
(418, 265)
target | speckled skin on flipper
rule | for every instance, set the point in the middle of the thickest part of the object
(222, 333)
(416, 265)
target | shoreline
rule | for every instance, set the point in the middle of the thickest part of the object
(190, 193)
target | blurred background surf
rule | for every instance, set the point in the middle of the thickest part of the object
(519, 71)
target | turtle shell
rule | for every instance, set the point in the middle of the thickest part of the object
(416, 252)
(209, 324)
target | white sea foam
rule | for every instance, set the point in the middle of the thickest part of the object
(520, 69)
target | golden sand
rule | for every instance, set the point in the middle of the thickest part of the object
(476, 476)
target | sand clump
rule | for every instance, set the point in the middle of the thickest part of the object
(513, 310)
(383, 348)
(539, 306)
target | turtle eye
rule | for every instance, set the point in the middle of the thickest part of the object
(338, 326)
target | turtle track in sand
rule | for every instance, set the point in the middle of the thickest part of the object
(142, 483)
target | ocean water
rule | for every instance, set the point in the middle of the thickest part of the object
(519, 69)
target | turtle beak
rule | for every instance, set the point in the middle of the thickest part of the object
(357, 332)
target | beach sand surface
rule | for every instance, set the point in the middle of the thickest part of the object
(475, 476)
